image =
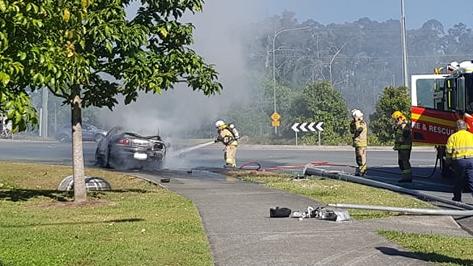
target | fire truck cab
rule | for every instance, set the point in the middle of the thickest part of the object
(438, 101)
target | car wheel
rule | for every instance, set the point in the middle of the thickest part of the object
(98, 158)
(118, 164)
(156, 165)
(101, 159)
(98, 137)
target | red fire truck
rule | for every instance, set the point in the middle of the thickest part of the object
(438, 101)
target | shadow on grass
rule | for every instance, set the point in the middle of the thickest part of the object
(127, 220)
(27, 194)
(429, 257)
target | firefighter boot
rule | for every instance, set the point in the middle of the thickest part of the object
(357, 171)
(406, 176)
(363, 170)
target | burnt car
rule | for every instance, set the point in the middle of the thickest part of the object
(124, 150)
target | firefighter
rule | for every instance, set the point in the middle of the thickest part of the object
(359, 130)
(227, 137)
(403, 145)
(459, 152)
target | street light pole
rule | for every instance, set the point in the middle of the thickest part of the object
(274, 66)
(404, 46)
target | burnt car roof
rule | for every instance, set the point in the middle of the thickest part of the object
(120, 130)
(143, 137)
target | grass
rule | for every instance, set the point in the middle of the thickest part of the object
(446, 250)
(328, 191)
(136, 224)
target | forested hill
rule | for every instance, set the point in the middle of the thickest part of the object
(359, 58)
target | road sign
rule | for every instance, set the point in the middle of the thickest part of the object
(275, 116)
(294, 127)
(306, 127)
(275, 123)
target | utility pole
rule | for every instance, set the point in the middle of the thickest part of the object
(274, 66)
(44, 113)
(404, 46)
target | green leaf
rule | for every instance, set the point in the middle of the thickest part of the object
(109, 47)
(3, 6)
(163, 31)
(84, 4)
(22, 55)
(66, 15)
(4, 78)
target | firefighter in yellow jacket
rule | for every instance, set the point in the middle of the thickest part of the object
(403, 144)
(459, 151)
(228, 138)
(359, 130)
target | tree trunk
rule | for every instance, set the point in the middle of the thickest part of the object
(80, 193)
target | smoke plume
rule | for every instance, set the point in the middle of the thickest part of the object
(218, 39)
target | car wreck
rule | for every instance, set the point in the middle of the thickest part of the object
(124, 150)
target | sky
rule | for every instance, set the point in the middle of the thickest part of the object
(339, 11)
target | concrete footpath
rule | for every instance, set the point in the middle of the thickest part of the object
(235, 215)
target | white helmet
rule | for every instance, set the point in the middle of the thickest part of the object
(453, 66)
(357, 114)
(219, 123)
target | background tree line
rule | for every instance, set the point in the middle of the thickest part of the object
(323, 71)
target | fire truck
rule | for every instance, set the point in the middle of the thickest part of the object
(438, 101)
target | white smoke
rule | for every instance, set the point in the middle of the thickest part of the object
(218, 39)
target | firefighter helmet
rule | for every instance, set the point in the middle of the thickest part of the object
(219, 124)
(453, 66)
(357, 114)
(461, 124)
(398, 115)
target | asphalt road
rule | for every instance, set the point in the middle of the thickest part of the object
(51, 152)
(267, 156)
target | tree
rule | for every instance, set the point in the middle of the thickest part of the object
(392, 99)
(320, 102)
(17, 106)
(87, 53)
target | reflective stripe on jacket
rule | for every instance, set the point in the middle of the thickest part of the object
(460, 145)
(403, 136)
(360, 133)
(226, 137)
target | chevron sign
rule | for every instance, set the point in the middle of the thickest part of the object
(306, 127)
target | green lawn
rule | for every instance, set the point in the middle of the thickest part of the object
(333, 191)
(136, 224)
(445, 250)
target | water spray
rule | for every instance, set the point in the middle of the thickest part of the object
(189, 149)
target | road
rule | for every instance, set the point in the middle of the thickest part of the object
(267, 156)
(382, 162)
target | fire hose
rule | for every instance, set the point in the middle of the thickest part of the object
(342, 176)
(254, 165)
(405, 210)
(374, 183)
